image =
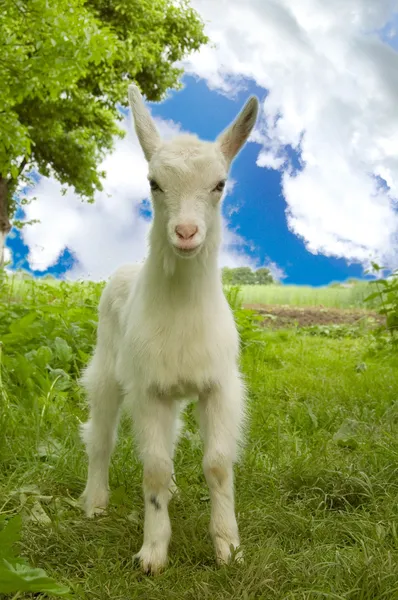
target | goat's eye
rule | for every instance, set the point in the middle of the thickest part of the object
(220, 186)
(154, 186)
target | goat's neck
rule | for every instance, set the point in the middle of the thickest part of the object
(169, 276)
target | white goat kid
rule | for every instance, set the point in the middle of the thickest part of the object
(166, 332)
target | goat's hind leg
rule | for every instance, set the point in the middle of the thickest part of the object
(99, 433)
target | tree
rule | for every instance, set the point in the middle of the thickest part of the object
(263, 276)
(227, 275)
(245, 276)
(64, 68)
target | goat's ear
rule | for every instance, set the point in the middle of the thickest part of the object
(147, 133)
(234, 137)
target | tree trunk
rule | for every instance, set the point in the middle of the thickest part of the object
(5, 224)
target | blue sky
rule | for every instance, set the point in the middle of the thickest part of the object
(317, 219)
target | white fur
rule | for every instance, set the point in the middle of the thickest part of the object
(166, 333)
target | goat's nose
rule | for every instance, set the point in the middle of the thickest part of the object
(186, 232)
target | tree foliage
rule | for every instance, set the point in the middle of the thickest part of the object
(45, 49)
(64, 68)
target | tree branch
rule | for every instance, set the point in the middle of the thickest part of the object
(23, 164)
(21, 167)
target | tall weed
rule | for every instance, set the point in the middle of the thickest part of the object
(247, 321)
(387, 294)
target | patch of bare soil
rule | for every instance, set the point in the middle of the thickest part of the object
(280, 316)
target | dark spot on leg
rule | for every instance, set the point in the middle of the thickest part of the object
(219, 474)
(155, 502)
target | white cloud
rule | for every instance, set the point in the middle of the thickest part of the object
(233, 253)
(333, 95)
(102, 235)
(277, 273)
(111, 232)
(7, 255)
(5, 252)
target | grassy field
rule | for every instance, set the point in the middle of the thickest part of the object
(316, 488)
(288, 295)
(295, 295)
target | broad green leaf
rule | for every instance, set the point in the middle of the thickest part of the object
(9, 535)
(346, 434)
(44, 356)
(20, 577)
(372, 296)
(16, 575)
(21, 325)
(62, 350)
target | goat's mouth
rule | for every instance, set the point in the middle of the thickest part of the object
(187, 252)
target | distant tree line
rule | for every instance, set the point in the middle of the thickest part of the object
(246, 276)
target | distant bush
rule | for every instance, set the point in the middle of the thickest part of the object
(245, 276)
(334, 330)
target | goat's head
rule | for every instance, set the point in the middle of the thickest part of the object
(187, 175)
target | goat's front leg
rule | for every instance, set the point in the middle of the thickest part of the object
(221, 414)
(154, 422)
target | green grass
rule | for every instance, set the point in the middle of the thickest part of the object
(296, 295)
(316, 488)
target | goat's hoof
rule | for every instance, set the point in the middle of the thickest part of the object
(94, 505)
(152, 558)
(95, 511)
(227, 552)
